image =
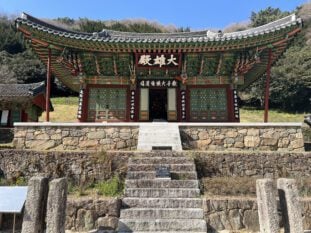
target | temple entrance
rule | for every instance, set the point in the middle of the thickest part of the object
(157, 104)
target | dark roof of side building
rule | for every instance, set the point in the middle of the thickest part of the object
(27, 90)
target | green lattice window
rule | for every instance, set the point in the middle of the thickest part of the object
(107, 102)
(208, 104)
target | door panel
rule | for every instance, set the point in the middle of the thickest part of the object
(144, 104)
(171, 102)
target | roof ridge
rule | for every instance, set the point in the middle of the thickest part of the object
(203, 34)
(24, 84)
(41, 22)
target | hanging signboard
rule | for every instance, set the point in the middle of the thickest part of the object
(158, 83)
(158, 60)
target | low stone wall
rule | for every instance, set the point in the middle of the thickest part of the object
(250, 136)
(81, 168)
(238, 213)
(124, 136)
(86, 167)
(84, 214)
(75, 136)
(253, 164)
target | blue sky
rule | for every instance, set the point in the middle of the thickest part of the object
(197, 14)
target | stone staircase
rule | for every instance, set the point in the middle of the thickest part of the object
(159, 134)
(153, 204)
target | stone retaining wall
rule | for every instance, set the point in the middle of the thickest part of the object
(251, 136)
(75, 136)
(238, 213)
(253, 164)
(124, 136)
(86, 167)
(81, 168)
(84, 214)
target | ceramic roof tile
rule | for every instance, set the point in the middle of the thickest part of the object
(32, 89)
(116, 36)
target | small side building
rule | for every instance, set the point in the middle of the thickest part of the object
(21, 103)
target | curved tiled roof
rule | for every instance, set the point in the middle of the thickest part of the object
(42, 35)
(23, 90)
(198, 36)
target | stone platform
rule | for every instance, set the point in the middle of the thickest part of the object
(195, 136)
(159, 135)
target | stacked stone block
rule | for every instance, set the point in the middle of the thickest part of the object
(265, 138)
(76, 138)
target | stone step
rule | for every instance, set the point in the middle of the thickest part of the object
(134, 202)
(159, 134)
(159, 153)
(161, 160)
(162, 213)
(152, 167)
(192, 225)
(175, 175)
(162, 192)
(161, 183)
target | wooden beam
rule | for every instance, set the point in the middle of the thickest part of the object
(268, 74)
(23, 30)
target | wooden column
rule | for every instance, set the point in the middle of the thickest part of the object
(48, 86)
(85, 100)
(267, 93)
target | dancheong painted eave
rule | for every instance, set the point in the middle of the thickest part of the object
(42, 35)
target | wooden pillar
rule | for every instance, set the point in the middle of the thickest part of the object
(48, 86)
(85, 100)
(268, 74)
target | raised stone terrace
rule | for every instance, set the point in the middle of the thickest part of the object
(195, 136)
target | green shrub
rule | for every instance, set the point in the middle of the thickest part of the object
(112, 187)
(79, 190)
(21, 181)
